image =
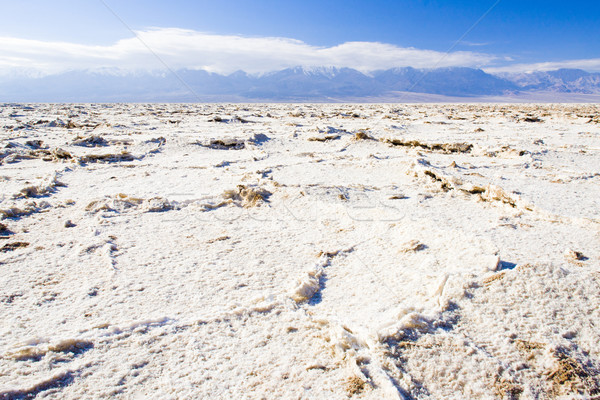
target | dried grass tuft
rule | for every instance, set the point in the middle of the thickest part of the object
(569, 376)
(111, 157)
(325, 138)
(247, 196)
(438, 147)
(355, 385)
(13, 246)
(362, 135)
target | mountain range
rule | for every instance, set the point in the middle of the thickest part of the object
(292, 84)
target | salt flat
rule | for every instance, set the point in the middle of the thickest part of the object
(299, 251)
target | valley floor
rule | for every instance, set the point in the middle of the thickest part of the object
(327, 251)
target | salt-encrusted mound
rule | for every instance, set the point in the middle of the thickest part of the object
(422, 270)
(520, 334)
(123, 203)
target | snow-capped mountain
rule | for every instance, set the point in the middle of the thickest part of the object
(445, 81)
(292, 84)
(561, 80)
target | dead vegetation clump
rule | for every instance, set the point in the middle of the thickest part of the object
(532, 119)
(505, 151)
(36, 150)
(239, 119)
(436, 122)
(495, 193)
(13, 246)
(573, 255)
(327, 134)
(247, 196)
(225, 144)
(107, 158)
(35, 144)
(488, 281)
(507, 389)
(32, 191)
(595, 120)
(158, 140)
(526, 346)
(439, 147)
(218, 239)
(570, 376)
(27, 354)
(362, 135)
(73, 346)
(33, 151)
(355, 385)
(59, 154)
(27, 209)
(15, 153)
(157, 204)
(44, 189)
(120, 203)
(234, 143)
(412, 246)
(9, 157)
(325, 138)
(490, 193)
(30, 353)
(444, 184)
(91, 141)
(72, 125)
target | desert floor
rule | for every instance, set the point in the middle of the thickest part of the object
(372, 251)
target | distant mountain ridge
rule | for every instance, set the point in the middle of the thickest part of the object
(291, 84)
(561, 80)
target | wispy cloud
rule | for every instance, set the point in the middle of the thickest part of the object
(590, 64)
(179, 48)
(474, 44)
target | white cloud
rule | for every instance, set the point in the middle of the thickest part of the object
(590, 64)
(179, 48)
(474, 44)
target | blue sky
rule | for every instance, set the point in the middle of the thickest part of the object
(512, 34)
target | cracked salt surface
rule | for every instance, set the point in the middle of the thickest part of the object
(242, 252)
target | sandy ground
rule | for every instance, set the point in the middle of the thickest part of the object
(300, 251)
